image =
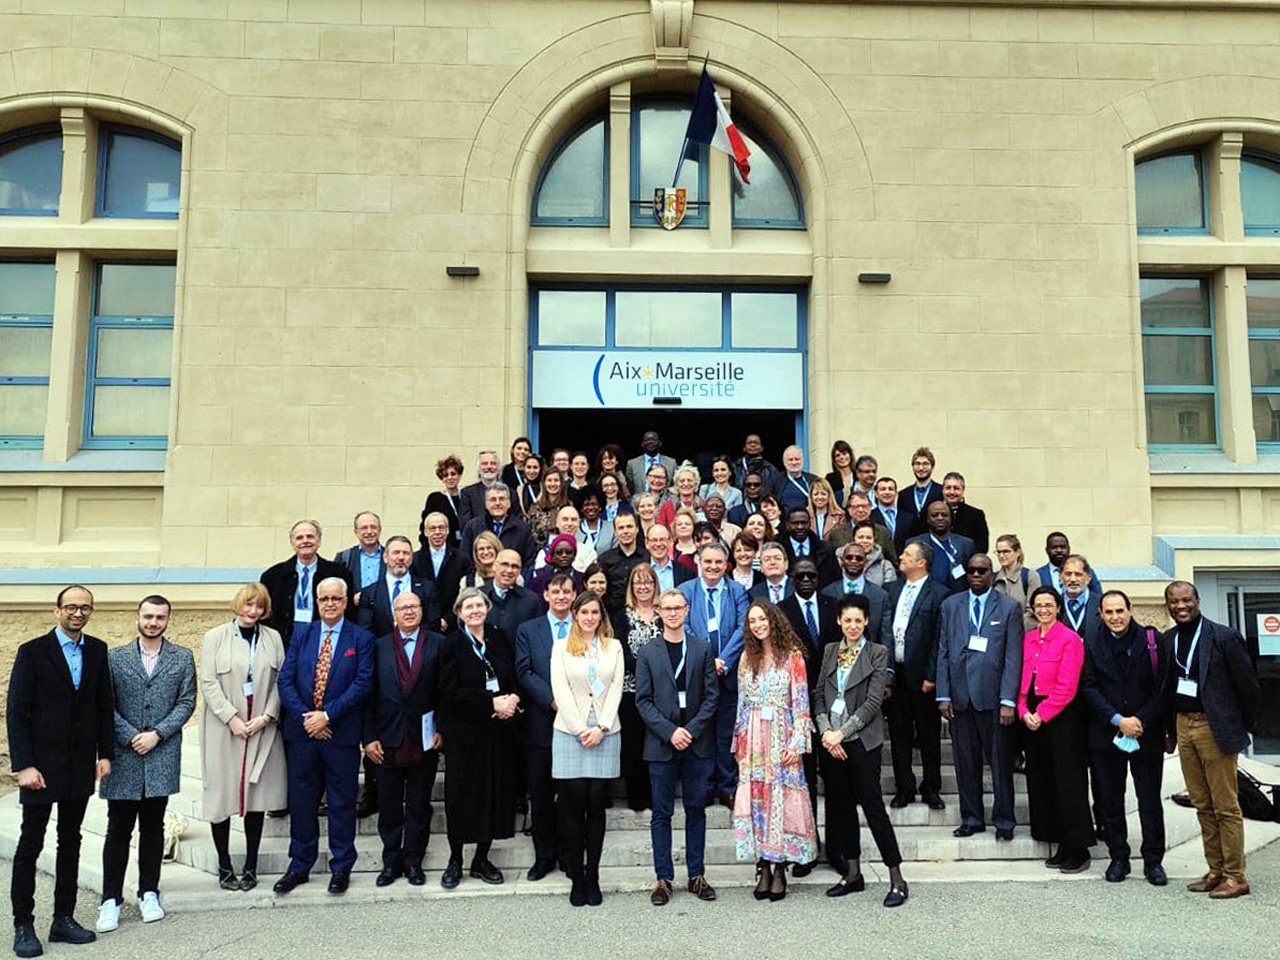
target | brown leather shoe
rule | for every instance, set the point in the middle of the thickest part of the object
(1229, 889)
(1205, 884)
(699, 887)
(661, 895)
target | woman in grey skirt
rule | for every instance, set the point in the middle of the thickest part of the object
(587, 669)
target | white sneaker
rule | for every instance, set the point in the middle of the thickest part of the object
(150, 907)
(109, 916)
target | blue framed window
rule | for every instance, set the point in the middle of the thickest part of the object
(31, 171)
(1171, 194)
(130, 356)
(573, 188)
(1179, 364)
(1262, 301)
(772, 199)
(1260, 193)
(139, 174)
(26, 336)
(657, 135)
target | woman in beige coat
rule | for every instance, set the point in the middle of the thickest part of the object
(241, 751)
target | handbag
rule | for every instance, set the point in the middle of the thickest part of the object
(1254, 804)
(1170, 741)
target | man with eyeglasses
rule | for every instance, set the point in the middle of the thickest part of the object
(292, 583)
(753, 488)
(914, 500)
(498, 518)
(61, 741)
(509, 603)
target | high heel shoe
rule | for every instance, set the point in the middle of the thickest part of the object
(764, 877)
(779, 874)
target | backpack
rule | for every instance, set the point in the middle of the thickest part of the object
(1254, 804)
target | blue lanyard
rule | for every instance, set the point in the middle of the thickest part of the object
(1191, 652)
(921, 498)
(946, 548)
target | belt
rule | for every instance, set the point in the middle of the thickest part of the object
(1195, 716)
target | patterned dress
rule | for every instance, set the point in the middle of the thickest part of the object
(772, 818)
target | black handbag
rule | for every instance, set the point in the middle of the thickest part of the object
(1255, 804)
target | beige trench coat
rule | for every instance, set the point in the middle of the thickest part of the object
(224, 668)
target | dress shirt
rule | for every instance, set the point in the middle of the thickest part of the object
(370, 564)
(902, 616)
(437, 558)
(799, 548)
(855, 586)
(498, 592)
(890, 515)
(333, 641)
(301, 598)
(777, 591)
(666, 575)
(406, 584)
(73, 651)
(1077, 610)
(982, 607)
(559, 628)
(410, 645)
(810, 610)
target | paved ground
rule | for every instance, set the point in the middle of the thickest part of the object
(956, 921)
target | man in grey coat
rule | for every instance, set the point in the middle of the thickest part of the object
(155, 694)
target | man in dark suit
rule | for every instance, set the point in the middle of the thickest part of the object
(509, 603)
(677, 694)
(886, 511)
(950, 550)
(967, 521)
(474, 496)
(859, 511)
(498, 517)
(1214, 695)
(915, 499)
(978, 673)
(753, 488)
(791, 484)
(774, 564)
(292, 583)
(438, 562)
(853, 562)
(1125, 665)
(637, 469)
(912, 710)
(1079, 600)
(327, 674)
(61, 741)
(753, 461)
(534, 639)
(363, 560)
(406, 688)
(800, 541)
(1057, 548)
(375, 612)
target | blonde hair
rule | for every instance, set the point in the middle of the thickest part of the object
(491, 538)
(576, 644)
(252, 593)
(640, 570)
(834, 510)
(684, 512)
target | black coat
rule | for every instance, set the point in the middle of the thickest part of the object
(1114, 682)
(514, 535)
(820, 553)
(466, 707)
(281, 581)
(920, 656)
(518, 606)
(438, 502)
(59, 730)
(1228, 687)
(375, 614)
(452, 569)
(390, 716)
(828, 632)
(971, 522)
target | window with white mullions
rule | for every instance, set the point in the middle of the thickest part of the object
(1178, 361)
(26, 335)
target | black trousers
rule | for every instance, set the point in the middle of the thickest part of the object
(22, 888)
(121, 815)
(581, 802)
(542, 803)
(852, 783)
(404, 810)
(1058, 780)
(635, 772)
(978, 738)
(1109, 769)
(914, 714)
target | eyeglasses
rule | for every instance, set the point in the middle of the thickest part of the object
(670, 609)
(330, 599)
(77, 608)
(804, 576)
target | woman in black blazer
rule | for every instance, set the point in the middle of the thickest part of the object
(449, 500)
(477, 714)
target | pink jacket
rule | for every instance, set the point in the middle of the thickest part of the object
(1056, 660)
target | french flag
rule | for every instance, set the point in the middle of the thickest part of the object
(711, 124)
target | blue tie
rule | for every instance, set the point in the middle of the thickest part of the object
(303, 599)
(562, 629)
(975, 619)
(811, 621)
(396, 592)
(1076, 607)
(497, 526)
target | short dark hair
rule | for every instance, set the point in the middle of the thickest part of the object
(1128, 605)
(75, 586)
(156, 601)
(854, 601)
(559, 580)
(405, 540)
(1045, 589)
(883, 479)
(795, 510)
(1056, 533)
(926, 551)
(1186, 583)
(954, 475)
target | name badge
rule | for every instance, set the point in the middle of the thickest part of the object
(978, 644)
(766, 712)
(683, 697)
(301, 616)
(713, 624)
(247, 688)
(1187, 687)
(491, 684)
(957, 571)
(837, 707)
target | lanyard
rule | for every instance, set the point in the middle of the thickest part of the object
(799, 483)
(479, 652)
(946, 548)
(588, 533)
(922, 494)
(684, 649)
(253, 644)
(1084, 599)
(1191, 652)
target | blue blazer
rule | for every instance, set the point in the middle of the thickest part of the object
(350, 681)
(533, 677)
(940, 569)
(375, 614)
(732, 619)
(980, 681)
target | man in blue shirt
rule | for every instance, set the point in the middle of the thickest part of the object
(364, 559)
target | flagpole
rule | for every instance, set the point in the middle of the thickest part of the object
(684, 148)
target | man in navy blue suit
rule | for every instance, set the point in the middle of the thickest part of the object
(950, 550)
(377, 598)
(327, 674)
(915, 499)
(791, 485)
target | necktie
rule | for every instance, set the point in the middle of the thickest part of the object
(975, 618)
(407, 640)
(775, 589)
(396, 592)
(711, 615)
(322, 668)
(1076, 607)
(562, 629)
(811, 621)
(497, 526)
(303, 599)
(802, 550)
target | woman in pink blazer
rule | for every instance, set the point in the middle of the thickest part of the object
(1053, 735)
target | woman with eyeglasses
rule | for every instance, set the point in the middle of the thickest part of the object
(1014, 579)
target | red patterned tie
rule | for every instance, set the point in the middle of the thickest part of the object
(322, 668)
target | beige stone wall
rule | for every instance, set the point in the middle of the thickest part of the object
(339, 154)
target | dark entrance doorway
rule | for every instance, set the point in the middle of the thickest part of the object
(694, 435)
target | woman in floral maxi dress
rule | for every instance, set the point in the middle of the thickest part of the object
(772, 817)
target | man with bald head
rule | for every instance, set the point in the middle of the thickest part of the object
(669, 573)
(293, 583)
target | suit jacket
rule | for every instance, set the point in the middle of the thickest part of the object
(514, 535)
(658, 703)
(791, 494)
(908, 515)
(731, 620)
(828, 632)
(980, 680)
(863, 694)
(940, 569)
(390, 715)
(447, 583)
(1228, 688)
(471, 503)
(518, 606)
(920, 654)
(680, 573)
(969, 521)
(438, 502)
(898, 531)
(761, 591)
(350, 682)
(636, 472)
(162, 702)
(374, 612)
(820, 553)
(1046, 579)
(766, 469)
(350, 558)
(880, 623)
(737, 514)
(1091, 620)
(59, 730)
(533, 677)
(281, 581)
(1116, 682)
(466, 708)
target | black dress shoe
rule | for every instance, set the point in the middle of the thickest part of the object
(964, 830)
(452, 875)
(66, 930)
(486, 871)
(388, 876)
(367, 807)
(289, 881)
(339, 882)
(227, 879)
(415, 875)
(897, 895)
(901, 800)
(1056, 860)
(934, 802)
(539, 870)
(25, 941)
(802, 870)
(278, 814)
(1002, 834)
(1077, 862)
(1155, 875)
(1117, 870)
(845, 886)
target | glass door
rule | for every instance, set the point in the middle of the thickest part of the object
(1252, 606)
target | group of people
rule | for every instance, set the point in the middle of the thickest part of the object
(567, 622)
